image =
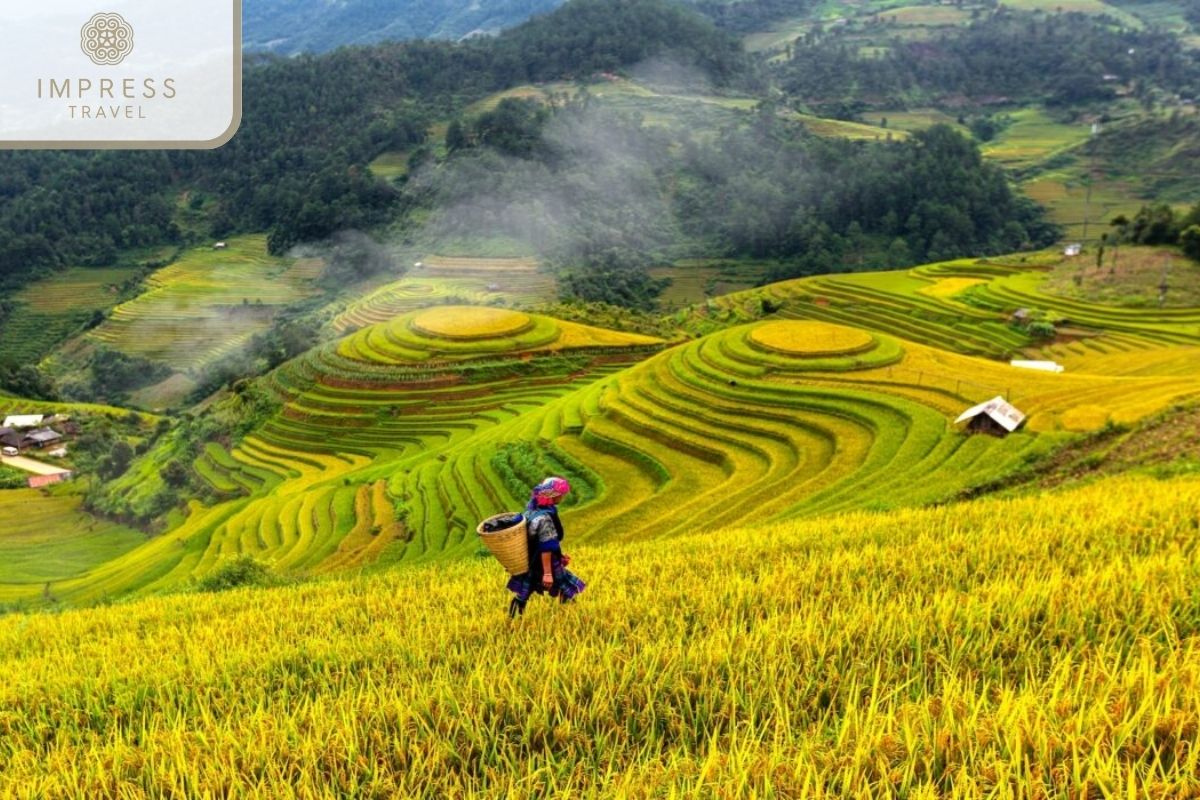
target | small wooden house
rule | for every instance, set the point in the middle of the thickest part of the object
(996, 416)
(42, 438)
(10, 437)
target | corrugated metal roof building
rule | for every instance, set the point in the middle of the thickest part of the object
(23, 420)
(996, 416)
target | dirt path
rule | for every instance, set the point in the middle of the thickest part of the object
(29, 465)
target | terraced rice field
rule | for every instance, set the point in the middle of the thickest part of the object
(52, 309)
(769, 421)
(961, 306)
(395, 440)
(1033, 137)
(441, 279)
(207, 304)
(45, 538)
(308, 492)
(1031, 647)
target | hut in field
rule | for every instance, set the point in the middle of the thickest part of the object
(996, 416)
(1073, 249)
(220, 246)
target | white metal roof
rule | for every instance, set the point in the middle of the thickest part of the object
(23, 421)
(1045, 366)
(999, 409)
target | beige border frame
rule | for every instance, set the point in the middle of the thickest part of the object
(210, 144)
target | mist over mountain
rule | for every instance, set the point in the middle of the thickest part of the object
(293, 26)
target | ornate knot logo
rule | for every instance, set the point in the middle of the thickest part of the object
(107, 39)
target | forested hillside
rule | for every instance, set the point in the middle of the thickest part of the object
(1006, 58)
(311, 125)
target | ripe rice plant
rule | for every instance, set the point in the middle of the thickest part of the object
(1040, 646)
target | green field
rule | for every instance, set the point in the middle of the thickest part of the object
(207, 303)
(53, 308)
(48, 538)
(694, 281)
(1032, 138)
(390, 166)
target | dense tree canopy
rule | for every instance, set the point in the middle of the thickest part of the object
(1006, 57)
(311, 124)
(602, 195)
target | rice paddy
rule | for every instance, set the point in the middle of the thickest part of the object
(207, 304)
(770, 594)
(445, 279)
(1033, 137)
(44, 538)
(1041, 646)
(805, 398)
(50, 310)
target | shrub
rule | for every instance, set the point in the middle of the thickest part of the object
(1042, 330)
(242, 571)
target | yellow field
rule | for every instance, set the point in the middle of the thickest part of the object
(470, 322)
(945, 288)
(810, 338)
(1034, 647)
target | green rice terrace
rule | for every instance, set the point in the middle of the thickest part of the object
(797, 399)
(206, 303)
(442, 279)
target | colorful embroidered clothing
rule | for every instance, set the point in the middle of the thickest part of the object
(566, 583)
(545, 529)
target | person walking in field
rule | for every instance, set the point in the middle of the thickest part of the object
(548, 571)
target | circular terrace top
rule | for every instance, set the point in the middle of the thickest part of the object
(470, 322)
(811, 339)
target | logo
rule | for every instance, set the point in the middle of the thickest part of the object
(107, 39)
(120, 74)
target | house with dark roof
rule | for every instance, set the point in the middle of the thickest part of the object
(9, 437)
(42, 438)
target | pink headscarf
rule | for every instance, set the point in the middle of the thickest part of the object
(549, 491)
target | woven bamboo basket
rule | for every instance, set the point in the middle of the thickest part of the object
(510, 546)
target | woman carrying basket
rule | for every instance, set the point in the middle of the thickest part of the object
(548, 571)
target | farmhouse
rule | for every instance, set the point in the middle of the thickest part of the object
(996, 416)
(24, 440)
(1021, 315)
(10, 437)
(42, 438)
(1072, 250)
